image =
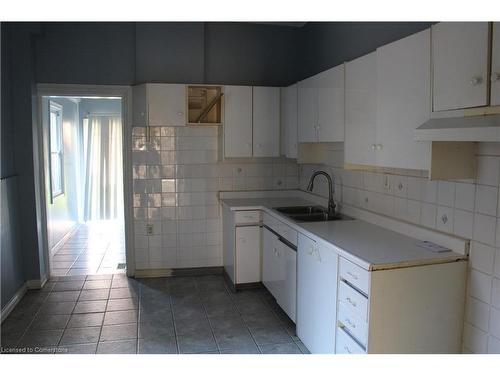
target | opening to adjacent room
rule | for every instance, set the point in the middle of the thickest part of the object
(83, 165)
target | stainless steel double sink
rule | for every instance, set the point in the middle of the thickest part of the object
(310, 214)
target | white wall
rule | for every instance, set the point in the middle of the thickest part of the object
(176, 182)
(62, 214)
(472, 210)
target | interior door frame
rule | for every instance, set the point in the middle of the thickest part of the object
(125, 94)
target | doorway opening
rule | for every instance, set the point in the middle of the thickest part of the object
(84, 195)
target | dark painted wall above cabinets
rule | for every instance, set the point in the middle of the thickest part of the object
(251, 54)
(86, 53)
(166, 52)
(170, 52)
(324, 45)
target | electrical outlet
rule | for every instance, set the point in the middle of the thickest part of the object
(149, 229)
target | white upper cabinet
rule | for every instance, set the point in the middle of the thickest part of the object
(159, 105)
(460, 65)
(166, 104)
(361, 110)
(237, 121)
(266, 121)
(330, 86)
(495, 65)
(307, 110)
(403, 101)
(321, 107)
(289, 121)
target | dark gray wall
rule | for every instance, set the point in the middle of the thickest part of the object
(170, 52)
(251, 54)
(21, 252)
(86, 53)
(326, 44)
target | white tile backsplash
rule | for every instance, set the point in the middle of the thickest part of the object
(482, 257)
(177, 177)
(477, 313)
(446, 193)
(486, 199)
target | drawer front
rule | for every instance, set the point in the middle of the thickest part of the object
(346, 345)
(353, 323)
(271, 222)
(287, 232)
(247, 217)
(354, 275)
(353, 301)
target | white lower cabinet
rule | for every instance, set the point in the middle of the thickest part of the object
(242, 246)
(316, 295)
(403, 310)
(269, 262)
(247, 254)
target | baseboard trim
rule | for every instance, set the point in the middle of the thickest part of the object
(64, 238)
(36, 283)
(170, 272)
(14, 301)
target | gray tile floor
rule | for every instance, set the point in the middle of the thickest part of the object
(116, 314)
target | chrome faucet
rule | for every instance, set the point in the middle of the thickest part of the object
(331, 189)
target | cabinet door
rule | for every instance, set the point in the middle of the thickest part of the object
(403, 101)
(266, 121)
(228, 243)
(166, 104)
(317, 268)
(289, 292)
(361, 110)
(248, 254)
(289, 121)
(495, 65)
(307, 110)
(269, 260)
(139, 106)
(237, 121)
(330, 84)
(460, 65)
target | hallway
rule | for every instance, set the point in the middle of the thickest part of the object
(96, 247)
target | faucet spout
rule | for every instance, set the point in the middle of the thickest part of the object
(331, 189)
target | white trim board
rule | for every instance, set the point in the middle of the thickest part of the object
(63, 240)
(10, 306)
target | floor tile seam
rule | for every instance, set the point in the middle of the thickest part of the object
(70, 316)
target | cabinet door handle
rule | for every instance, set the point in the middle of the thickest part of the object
(355, 277)
(474, 81)
(180, 113)
(374, 146)
(495, 77)
(353, 303)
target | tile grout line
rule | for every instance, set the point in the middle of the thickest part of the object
(206, 315)
(71, 314)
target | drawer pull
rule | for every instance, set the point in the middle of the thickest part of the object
(353, 303)
(346, 348)
(355, 277)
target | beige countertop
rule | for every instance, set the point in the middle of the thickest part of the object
(370, 246)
